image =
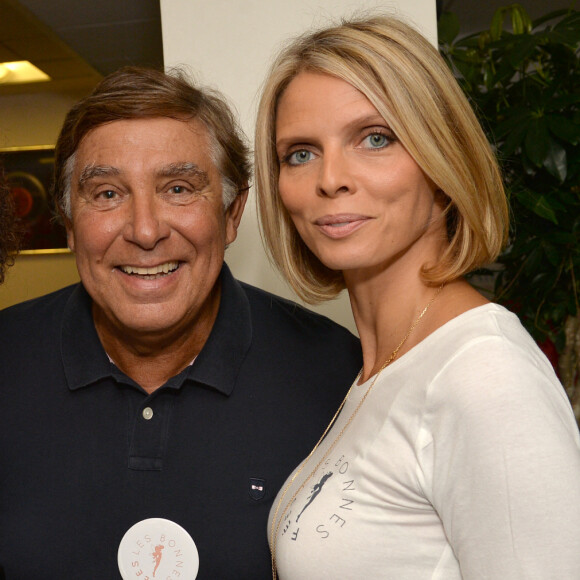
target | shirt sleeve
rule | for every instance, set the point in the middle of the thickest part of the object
(505, 464)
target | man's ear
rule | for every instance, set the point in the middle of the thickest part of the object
(70, 234)
(234, 214)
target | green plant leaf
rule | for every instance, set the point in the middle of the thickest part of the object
(564, 101)
(535, 95)
(528, 167)
(550, 16)
(448, 27)
(521, 22)
(561, 238)
(533, 261)
(513, 140)
(536, 141)
(523, 48)
(469, 41)
(525, 87)
(571, 198)
(496, 27)
(465, 69)
(538, 203)
(563, 128)
(567, 30)
(556, 160)
(565, 36)
(513, 118)
(552, 253)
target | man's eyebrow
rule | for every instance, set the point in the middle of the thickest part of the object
(92, 171)
(183, 169)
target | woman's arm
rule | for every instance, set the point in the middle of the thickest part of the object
(506, 464)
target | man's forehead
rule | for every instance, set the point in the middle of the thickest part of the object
(163, 146)
(191, 131)
(175, 169)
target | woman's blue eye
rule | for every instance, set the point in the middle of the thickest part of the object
(299, 157)
(376, 141)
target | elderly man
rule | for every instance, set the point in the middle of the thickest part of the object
(155, 409)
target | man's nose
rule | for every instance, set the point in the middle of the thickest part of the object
(145, 226)
(335, 177)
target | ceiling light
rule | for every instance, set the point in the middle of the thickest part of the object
(20, 72)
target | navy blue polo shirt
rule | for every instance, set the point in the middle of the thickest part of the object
(86, 452)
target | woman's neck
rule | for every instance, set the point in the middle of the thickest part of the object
(383, 312)
(387, 306)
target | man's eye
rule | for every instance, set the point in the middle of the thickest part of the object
(376, 141)
(107, 194)
(299, 157)
(178, 189)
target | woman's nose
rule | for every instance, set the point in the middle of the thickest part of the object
(334, 177)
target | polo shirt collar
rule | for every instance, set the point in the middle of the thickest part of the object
(84, 359)
(217, 365)
(220, 359)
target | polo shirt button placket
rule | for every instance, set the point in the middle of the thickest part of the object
(150, 433)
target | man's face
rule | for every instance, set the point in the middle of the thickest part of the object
(148, 226)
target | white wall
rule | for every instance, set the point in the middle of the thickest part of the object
(228, 44)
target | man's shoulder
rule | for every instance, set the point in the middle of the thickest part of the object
(277, 311)
(37, 311)
(296, 349)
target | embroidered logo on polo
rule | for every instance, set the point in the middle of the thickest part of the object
(257, 488)
(157, 548)
(337, 516)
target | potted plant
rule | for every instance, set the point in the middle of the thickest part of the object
(525, 86)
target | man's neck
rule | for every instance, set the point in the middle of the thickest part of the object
(151, 359)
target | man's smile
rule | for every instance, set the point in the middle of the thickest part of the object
(152, 272)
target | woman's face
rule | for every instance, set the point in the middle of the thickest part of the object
(357, 198)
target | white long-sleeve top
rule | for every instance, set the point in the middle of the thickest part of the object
(462, 463)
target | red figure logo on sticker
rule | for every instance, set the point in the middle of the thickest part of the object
(157, 555)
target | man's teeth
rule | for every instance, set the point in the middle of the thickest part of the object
(154, 271)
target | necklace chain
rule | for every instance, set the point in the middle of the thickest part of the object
(275, 527)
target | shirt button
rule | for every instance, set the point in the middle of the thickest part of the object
(147, 413)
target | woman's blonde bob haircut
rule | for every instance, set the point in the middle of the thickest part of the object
(410, 85)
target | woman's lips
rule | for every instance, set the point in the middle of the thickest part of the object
(340, 226)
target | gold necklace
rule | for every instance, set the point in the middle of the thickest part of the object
(274, 529)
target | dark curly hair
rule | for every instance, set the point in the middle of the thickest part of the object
(9, 236)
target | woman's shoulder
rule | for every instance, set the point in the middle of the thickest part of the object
(461, 319)
(484, 359)
(483, 329)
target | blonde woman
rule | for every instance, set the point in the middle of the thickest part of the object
(455, 454)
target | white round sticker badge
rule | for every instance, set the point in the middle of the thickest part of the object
(157, 548)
